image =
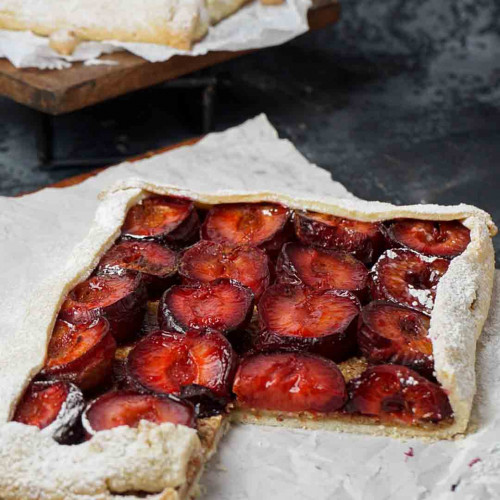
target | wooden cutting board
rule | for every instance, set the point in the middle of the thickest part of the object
(57, 92)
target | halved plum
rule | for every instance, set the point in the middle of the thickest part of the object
(364, 240)
(54, 407)
(208, 261)
(81, 353)
(264, 225)
(166, 362)
(157, 263)
(119, 297)
(165, 219)
(321, 269)
(407, 278)
(397, 394)
(117, 408)
(390, 333)
(223, 305)
(445, 239)
(289, 382)
(299, 318)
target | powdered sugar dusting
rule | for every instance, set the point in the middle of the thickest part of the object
(149, 458)
(69, 413)
(422, 297)
(91, 14)
(461, 304)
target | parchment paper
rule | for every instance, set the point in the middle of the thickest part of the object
(258, 463)
(254, 26)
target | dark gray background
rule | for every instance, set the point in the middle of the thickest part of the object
(400, 101)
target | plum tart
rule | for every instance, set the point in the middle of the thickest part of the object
(359, 318)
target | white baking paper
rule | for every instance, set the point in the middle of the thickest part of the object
(39, 231)
(254, 26)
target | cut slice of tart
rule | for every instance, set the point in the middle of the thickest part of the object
(355, 328)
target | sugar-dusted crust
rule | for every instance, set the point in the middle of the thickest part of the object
(177, 23)
(151, 458)
(163, 461)
(461, 306)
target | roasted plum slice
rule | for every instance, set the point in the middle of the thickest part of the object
(81, 353)
(165, 219)
(390, 333)
(289, 382)
(223, 305)
(208, 261)
(263, 225)
(397, 394)
(54, 407)
(117, 408)
(119, 297)
(364, 240)
(445, 239)
(407, 278)
(321, 269)
(166, 362)
(299, 318)
(157, 263)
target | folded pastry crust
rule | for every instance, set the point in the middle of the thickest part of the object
(461, 307)
(177, 23)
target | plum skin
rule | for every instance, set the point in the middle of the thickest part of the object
(169, 320)
(336, 346)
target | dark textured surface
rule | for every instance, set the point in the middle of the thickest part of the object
(400, 101)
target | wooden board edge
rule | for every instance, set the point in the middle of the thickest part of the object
(137, 74)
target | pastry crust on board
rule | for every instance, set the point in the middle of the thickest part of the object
(461, 306)
(177, 23)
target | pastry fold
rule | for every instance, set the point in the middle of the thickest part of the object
(177, 23)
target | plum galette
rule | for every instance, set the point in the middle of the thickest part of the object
(179, 314)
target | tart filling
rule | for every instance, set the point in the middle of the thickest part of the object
(308, 316)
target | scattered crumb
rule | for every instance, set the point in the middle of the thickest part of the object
(64, 42)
